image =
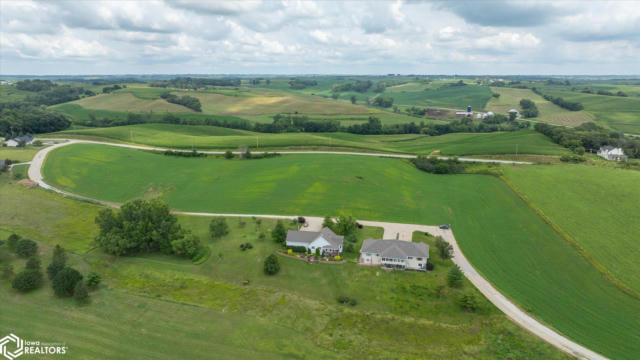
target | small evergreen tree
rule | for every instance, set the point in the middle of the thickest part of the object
(468, 302)
(27, 280)
(279, 233)
(58, 262)
(454, 277)
(228, 154)
(271, 265)
(33, 263)
(12, 241)
(80, 293)
(327, 222)
(445, 250)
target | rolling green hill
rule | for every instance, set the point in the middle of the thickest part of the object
(499, 233)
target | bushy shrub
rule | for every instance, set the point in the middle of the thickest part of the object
(572, 158)
(430, 266)
(468, 302)
(271, 265)
(93, 280)
(279, 233)
(246, 246)
(27, 280)
(187, 246)
(218, 227)
(26, 248)
(345, 300)
(298, 249)
(337, 258)
(80, 293)
(12, 241)
(65, 281)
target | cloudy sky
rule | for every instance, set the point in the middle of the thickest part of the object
(321, 37)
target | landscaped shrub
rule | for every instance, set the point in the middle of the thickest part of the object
(65, 281)
(298, 249)
(188, 246)
(246, 246)
(26, 248)
(572, 158)
(455, 277)
(27, 280)
(271, 265)
(33, 264)
(337, 258)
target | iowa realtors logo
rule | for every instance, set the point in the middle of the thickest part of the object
(12, 346)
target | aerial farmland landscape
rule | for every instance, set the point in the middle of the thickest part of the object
(319, 180)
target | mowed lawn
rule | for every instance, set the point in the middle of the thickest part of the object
(211, 137)
(597, 207)
(500, 234)
(549, 112)
(127, 102)
(452, 97)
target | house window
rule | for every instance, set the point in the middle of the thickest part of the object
(368, 254)
(410, 258)
(419, 259)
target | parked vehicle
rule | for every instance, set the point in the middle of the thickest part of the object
(445, 226)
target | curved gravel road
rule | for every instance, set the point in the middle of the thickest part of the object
(391, 231)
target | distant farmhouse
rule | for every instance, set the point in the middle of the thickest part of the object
(326, 240)
(19, 141)
(514, 111)
(394, 254)
(611, 153)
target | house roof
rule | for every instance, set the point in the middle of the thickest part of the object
(310, 236)
(25, 138)
(513, 110)
(397, 249)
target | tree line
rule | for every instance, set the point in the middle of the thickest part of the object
(194, 83)
(569, 105)
(589, 137)
(186, 101)
(299, 84)
(18, 119)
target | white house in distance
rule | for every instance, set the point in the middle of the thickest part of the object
(326, 240)
(16, 141)
(611, 153)
(394, 254)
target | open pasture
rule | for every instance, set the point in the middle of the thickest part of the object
(499, 233)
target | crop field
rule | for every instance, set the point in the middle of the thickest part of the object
(599, 217)
(149, 304)
(452, 97)
(499, 233)
(619, 113)
(10, 93)
(549, 112)
(209, 137)
(127, 102)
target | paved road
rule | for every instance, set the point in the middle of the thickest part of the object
(391, 231)
(398, 156)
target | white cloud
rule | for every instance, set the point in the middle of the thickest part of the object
(318, 36)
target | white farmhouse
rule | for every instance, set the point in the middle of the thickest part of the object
(326, 240)
(15, 142)
(394, 254)
(611, 153)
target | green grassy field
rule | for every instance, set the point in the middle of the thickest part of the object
(619, 113)
(549, 112)
(597, 215)
(209, 137)
(154, 305)
(19, 154)
(500, 234)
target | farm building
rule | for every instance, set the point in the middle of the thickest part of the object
(26, 140)
(394, 254)
(467, 113)
(611, 153)
(326, 240)
(515, 111)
